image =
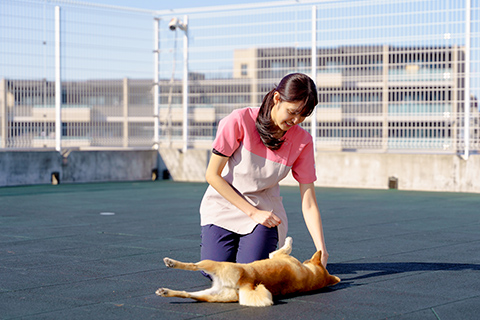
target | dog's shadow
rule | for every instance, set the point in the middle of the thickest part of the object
(388, 268)
(360, 271)
(278, 299)
(349, 273)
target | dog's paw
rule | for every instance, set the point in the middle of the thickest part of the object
(289, 241)
(169, 262)
(162, 292)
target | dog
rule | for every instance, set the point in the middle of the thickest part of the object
(254, 284)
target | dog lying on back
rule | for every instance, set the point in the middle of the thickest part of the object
(255, 283)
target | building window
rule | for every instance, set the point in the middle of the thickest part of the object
(244, 69)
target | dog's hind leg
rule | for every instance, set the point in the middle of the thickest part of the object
(286, 249)
(180, 265)
(208, 266)
(258, 297)
(213, 268)
(214, 294)
(223, 286)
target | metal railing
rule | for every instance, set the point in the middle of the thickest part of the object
(392, 76)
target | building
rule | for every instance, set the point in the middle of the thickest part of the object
(374, 98)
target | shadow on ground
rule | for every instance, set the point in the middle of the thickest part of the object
(382, 269)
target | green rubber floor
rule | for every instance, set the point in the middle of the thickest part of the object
(94, 251)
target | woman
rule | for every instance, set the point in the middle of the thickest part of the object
(242, 215)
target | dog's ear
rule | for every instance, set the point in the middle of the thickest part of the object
(316, 258)
(332, 280)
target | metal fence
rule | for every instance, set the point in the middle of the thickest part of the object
(392, 75)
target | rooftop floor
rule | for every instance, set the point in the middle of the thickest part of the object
(94, 251)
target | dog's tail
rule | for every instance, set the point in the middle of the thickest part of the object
(258, 297)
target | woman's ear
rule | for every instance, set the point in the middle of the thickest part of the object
(276, 98)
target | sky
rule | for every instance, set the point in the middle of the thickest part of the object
(168, 4)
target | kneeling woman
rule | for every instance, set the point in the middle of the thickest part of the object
(242, 215)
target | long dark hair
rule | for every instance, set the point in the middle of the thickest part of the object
(292, 88)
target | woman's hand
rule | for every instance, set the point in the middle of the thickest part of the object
(265, 218)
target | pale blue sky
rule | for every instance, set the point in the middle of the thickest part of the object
(168, 4)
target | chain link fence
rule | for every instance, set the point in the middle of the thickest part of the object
(392, 76)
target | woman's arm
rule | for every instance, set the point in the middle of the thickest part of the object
(215, 179)
(312, 217)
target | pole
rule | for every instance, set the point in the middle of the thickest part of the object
(3, 112)
(314, 75)
(467, 80)
(58, 84)
(125, 112)
(156, 89)
(185, 85)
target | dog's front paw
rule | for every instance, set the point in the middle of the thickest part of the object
(289, 241)
(162, 292)
(169, 262)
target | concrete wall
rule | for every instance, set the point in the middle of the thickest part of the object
(414, 172)
(360, 170)
(27, 168)
(334, 169)
(189, 166)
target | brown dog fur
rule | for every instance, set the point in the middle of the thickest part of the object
(255, 283)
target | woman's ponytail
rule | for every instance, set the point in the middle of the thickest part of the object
(265, 125)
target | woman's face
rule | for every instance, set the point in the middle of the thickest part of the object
(286, 114)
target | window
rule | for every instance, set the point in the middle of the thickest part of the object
(244, 69)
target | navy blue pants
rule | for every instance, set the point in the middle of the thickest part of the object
(219, 244)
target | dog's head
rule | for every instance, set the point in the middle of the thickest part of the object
(315, 264)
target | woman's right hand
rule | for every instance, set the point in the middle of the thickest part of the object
(265, 218)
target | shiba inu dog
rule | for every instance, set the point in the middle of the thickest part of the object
(254, 284)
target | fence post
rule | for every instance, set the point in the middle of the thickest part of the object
(3, 112)
(125, 112)
(466, 127)
(455, 103)
(314, 75)
(156, 87)
(385, 57)
(58, 84)
(185, 85)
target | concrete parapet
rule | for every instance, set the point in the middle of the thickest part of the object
(27, 168)
(189, 166)
(37, 167)
(420, 172)
(412, 171)
(93, 166)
